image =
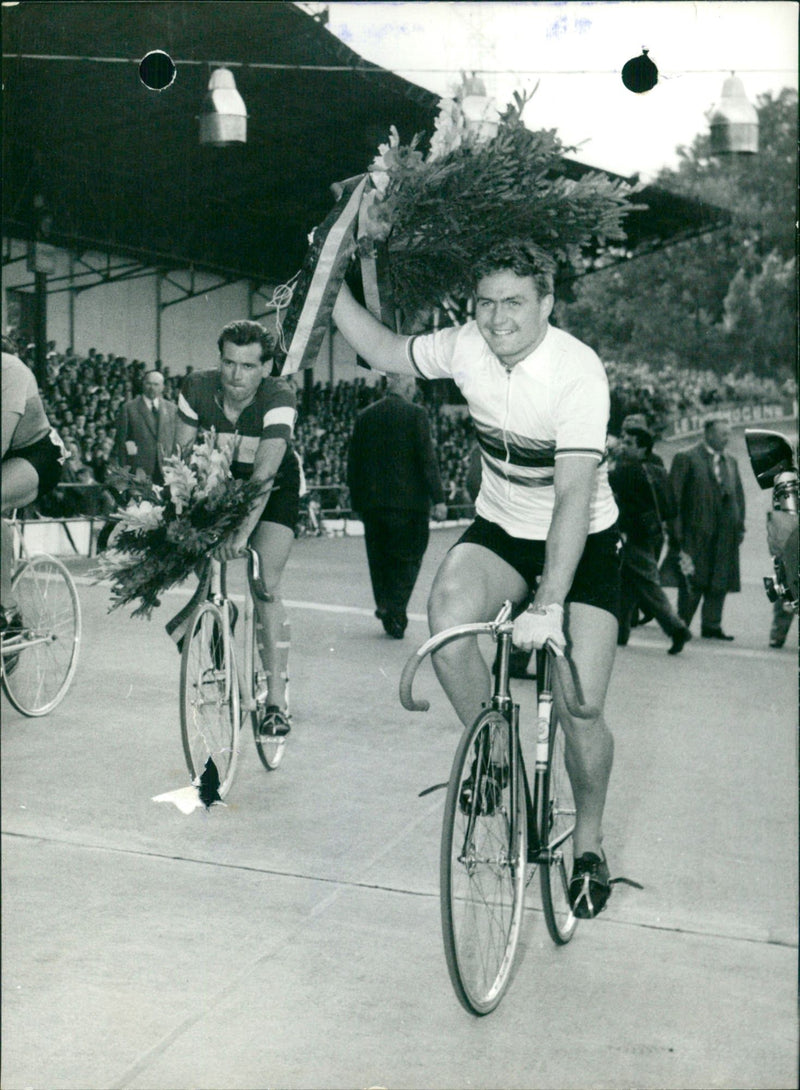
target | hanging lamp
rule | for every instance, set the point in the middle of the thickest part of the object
(733, 121)
(223, 115)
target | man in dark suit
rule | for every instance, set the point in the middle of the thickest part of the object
(644, 498)
(145, 432)
(709, 527)
(393, 480)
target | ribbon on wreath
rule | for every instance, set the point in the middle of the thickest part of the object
(375, 276)
(334, 242)
(342, 233)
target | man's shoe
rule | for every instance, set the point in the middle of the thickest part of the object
(777, 644)
(492, 784)
(275, 724)
(393, 625)
(590, 886)
(681, 637)
(714, 634)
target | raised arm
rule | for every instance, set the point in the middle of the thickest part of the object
(379, 346)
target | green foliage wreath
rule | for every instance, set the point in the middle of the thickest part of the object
(478, 185)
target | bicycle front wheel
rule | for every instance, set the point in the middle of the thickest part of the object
(39, 662)
(483, 863)
(557, 827)
(210, 697)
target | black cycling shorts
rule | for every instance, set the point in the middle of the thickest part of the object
(47, 456)
(597, 577)
(283, 505)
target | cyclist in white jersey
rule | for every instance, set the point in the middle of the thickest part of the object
(545, 515)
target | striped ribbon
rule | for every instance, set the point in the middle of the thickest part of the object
(323, 272)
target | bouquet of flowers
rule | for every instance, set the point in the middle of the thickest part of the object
(166, 531)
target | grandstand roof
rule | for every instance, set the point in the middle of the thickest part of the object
(121, 167)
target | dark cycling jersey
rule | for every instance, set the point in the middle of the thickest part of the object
(270, 415)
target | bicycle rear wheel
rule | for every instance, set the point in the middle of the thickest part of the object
(40, 662)
(557, 827)
(210, 697)
(483, 864)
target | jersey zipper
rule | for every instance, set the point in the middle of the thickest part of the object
(505, 430)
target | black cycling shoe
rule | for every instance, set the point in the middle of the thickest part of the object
(10, 621)
(275, 724)
(491, 790)
(11, 625)
(590, 886)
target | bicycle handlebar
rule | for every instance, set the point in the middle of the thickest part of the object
(562, 664)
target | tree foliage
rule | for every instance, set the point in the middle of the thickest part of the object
(724, 300)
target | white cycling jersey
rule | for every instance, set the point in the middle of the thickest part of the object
(552, 404)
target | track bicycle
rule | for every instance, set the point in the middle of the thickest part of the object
(39, 655)
(216, 691)
(497, 830)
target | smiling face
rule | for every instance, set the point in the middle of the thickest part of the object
(241, 370)
(511, 315)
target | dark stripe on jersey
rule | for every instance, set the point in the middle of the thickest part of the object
(539, 481)
(543, 455)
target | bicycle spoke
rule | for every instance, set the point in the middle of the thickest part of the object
(483, 866)
(559, 822)
(209, 697)
(40, 663)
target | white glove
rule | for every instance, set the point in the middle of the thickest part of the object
(538, 624)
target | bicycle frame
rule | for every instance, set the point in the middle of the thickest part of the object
(550, 661)
(247, 674)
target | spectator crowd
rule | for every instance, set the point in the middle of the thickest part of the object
(83, 396)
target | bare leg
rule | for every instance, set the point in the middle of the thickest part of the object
(273, 542)
(589, 754)
(471, 585)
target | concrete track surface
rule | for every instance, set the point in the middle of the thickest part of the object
(291, 938)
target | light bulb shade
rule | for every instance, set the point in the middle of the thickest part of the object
(223, 115)
(734, 121)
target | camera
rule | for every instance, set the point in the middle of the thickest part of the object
(772, 459)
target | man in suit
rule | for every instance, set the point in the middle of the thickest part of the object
(709, 527)
(643, 495)
(393, 478)
(145, 432)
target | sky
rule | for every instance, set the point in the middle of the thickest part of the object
(576, 51)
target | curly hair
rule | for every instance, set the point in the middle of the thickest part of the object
(520, 256)
(247, 332)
